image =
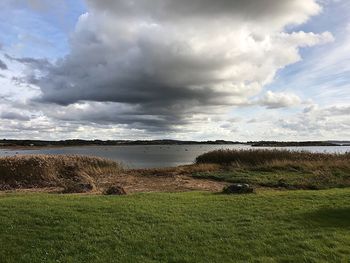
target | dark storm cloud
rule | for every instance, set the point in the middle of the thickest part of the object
(3, 66)
(167, 62)
(152, 119)
(184, 9)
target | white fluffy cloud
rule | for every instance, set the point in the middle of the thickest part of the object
(319, 122)
(279, 100)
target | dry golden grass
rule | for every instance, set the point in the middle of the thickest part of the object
(72, 173)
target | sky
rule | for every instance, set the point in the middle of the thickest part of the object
(175, 69)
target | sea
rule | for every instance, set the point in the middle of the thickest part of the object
(156, 156)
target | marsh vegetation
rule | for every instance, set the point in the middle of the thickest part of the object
(278, 168)
(71, 173)
(212, 171)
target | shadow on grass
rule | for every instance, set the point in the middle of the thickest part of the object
(329, 217)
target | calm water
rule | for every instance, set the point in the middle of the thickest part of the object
(155, 155)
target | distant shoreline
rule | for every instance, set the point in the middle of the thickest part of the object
(38, 144)
(67, 143)
(19, 147)
(297, 144)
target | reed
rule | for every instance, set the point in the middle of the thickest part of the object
(73, 173)
(263, 157)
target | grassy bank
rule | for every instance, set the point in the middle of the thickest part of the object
(270, 226)
(278, 168)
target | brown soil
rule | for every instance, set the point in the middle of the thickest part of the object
(174, 183)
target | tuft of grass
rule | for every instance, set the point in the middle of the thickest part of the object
(270, 226)
(73, 173)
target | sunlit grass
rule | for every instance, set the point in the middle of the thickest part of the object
(270, 226)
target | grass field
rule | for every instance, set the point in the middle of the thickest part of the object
(270, 226)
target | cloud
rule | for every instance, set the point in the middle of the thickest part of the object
(277, 13)
(279, 100)
(338, 111)
(3, 66)
(40, 64)
(14, 116)
(162, 65)
(317, 121)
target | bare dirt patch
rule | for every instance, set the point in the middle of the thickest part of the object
(174, 183)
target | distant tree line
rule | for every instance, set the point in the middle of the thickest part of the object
(78, 142)
(286, 144)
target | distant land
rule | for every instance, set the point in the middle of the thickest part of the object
(298, 144)
(78, 142)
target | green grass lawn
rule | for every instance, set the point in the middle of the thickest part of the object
(271, 226)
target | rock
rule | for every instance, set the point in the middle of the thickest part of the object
(80, 187)
(282, 183)
(115, 190)
(238, 189)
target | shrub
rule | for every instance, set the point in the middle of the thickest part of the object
(238, 189)
(115, 190)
